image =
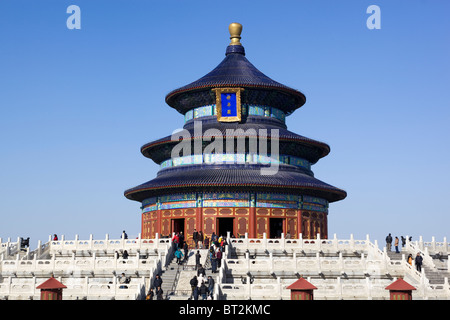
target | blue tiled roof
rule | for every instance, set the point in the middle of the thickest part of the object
(236, 71)
(234, 177)
(310, 149)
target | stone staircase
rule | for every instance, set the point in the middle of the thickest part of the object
(176, 278)
(435, 276)
(169, 277)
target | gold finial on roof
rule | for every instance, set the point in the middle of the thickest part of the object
(235, 33)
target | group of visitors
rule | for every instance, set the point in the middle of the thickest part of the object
(198, 238)
(396, 242)
(216, 251)
(179, 243)
(418, 260)
(201, 287)
(157, 283)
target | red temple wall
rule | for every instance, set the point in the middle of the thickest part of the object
(253, 221)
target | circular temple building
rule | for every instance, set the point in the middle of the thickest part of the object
(235, 167)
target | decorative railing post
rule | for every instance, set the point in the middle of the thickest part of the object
(39, 248)
(247, 261)
(86, 284)
(300, 240)
(246, 240)
(341, 263)
(279, 288)
(319, 263)
(445, 246)
(271, 262)
(367, 243)
(294, 257)
(249, 288)
(369, 289)
(335, 242)
(339, 287)
(448, 262)
(265, 240)
(385, 259)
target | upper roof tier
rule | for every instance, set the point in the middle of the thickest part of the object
(236, 71)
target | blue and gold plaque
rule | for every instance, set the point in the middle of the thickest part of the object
(228, 104)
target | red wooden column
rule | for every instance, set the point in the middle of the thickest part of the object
(400, 290)
(252, 217)
(199, 214)
(158, 223)
(252, 222)
(51, 289)
(302, 290)
(299, 224)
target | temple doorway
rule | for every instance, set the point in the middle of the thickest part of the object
(178, 225)
(224, 225)
(275, 228)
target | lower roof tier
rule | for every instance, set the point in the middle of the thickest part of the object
(238, 178)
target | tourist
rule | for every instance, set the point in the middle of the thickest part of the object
(210, 286)
(186, 249)
(388, 242)
(150, 294)
(200, 239)
(193, 283)
(125, 255)
(206, 242)
(203, 290)
(159, 293)
(213, 238)
(197, 259)
(200, 280)
(212, 257)
(55, 237)
(123, 280)
(396, 245)
(157, 282)
(201, 271)
(124, 235)
(410, 258)
(195, 292)
(195, 238)
(175, 240)
(24, 243)
(418, 261)
(403, 241)
(219, 257)
(180, 240)
(178, 255)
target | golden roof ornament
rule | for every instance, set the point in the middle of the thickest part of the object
(235, 33)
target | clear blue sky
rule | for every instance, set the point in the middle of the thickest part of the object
(77, 105)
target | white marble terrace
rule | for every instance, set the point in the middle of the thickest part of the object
(348, 269)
